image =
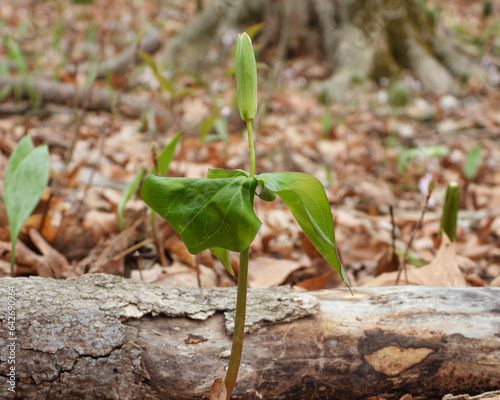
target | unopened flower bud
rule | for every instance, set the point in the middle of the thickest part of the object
(246, 78)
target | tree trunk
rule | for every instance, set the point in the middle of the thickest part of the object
(359, 39)
(103, 337)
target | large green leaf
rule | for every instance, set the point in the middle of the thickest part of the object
(26, 176)
(206, 213)
(306, 198)
(218, 173)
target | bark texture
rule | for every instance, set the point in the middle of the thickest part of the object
(103, 337)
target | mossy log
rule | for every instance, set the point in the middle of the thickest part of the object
(104, 337)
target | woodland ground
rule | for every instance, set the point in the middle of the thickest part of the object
(368, 154)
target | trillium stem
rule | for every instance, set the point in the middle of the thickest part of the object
(252, 149)
(239, 324)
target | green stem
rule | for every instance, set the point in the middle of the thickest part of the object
(12, 258)
(252, 149)
(239, 324)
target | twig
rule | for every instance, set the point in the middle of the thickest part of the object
(393, 231)
(132, 249)
(414, 232)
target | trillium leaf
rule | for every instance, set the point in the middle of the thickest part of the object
(306, 198)
(222, 173)
(266, 194)
(223, 256)
(26, 176)
(206, 213)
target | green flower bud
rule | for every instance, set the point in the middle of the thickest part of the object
(246, 78)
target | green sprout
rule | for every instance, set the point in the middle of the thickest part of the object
(25, 178)
(450, 211)
(217, 212)
(473, 162)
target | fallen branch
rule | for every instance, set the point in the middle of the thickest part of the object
(98, 100)
(65, 94)
(101, 336)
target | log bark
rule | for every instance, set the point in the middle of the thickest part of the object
(104, 337)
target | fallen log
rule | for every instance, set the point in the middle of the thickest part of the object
(104, 337)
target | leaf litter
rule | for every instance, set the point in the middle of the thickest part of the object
(74, 230)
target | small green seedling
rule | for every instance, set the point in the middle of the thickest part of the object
(399, 94)
(17, 57)
(217, 212)
(450, 211)
(26, 176)
(161, 169)
(407, 155)
(473, 162)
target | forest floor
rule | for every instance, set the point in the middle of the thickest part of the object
(369, 155)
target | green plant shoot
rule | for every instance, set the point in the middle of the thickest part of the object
(26, 177)
(406, 155)
(167, 155)
(473, 162)
(131, 188)
(217, 212)
(450, 211)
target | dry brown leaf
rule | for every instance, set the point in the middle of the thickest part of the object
(28, 260)
(442, 271)
(218, 390)
(265, 272)
(484, 231)
(100, 224)
(475, 280)
(106, 261)
(179, 274)
(495, 282)
(477, 252)
(178, 250)
(72, 239)
(4, 268)
(148, 275)
(57, 262)
(388, 262)
(316, 283)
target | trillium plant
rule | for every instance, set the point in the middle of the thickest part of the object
(217, 212)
